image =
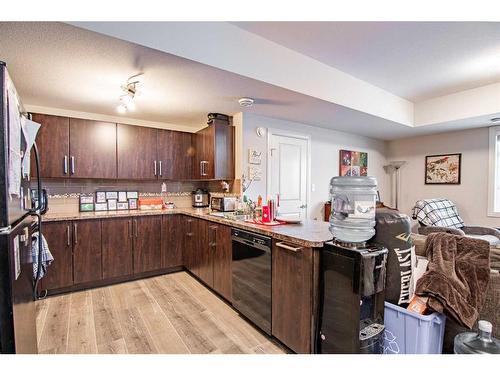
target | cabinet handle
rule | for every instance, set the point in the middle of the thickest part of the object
(130, 228)
(68, 242)
(136, 229)
(72, 165)
(159, 164)
(288, 247)
(201, 168)
(154, 163)
(65, 164)
(75, 229)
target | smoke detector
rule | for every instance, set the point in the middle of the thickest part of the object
(246, 102)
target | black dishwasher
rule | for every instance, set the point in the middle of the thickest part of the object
(251, 274)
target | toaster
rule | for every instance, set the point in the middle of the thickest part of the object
(223, 204)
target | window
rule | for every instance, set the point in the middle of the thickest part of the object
(494, 173)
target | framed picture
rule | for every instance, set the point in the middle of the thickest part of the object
(122, 196)
(86, 203)
(111, 195)
(101, 206)
(443, 169)
(132, 204)
(122, 206)
(111, 204)
(100, 196)
(353, 163)
(86, 199)
(132, 194)
(254, 156)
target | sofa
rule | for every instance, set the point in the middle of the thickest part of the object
(491, 308)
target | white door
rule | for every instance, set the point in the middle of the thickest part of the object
(288, 174)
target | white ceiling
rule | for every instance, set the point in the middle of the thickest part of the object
(62, 66)
(414, 60)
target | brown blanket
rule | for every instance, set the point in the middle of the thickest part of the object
(457, 276)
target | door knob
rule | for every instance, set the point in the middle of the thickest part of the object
(303, 206)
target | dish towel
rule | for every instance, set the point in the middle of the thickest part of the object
(46, 258)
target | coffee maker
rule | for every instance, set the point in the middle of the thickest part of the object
(351, 316)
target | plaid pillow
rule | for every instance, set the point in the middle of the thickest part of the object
(437, 212)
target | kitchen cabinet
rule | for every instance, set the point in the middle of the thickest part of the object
(92, 147)
(60, 241)
(172, 233)
(292, 295)
(188, 254)
(220, 240)
(147, 243)
(53, 146)
(86, 251)
(175, 155)
(203, 252)
(117, 249)
(214, 153)
(137, 154)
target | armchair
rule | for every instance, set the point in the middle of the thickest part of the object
(441, 215)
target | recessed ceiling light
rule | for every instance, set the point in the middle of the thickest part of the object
(495, 119)
(246, 102)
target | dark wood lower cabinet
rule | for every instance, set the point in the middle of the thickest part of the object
(60, 240)
(116, 247)
(292, 296)
(222, 259)
(147, 243)
(86, 251)
(172, 241)
(205, 242)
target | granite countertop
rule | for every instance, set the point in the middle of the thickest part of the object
(309, 233)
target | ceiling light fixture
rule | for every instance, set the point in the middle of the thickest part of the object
(246, 102)
(130, 90)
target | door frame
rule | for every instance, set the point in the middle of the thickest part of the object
(286, 133)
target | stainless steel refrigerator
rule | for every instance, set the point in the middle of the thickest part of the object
(18, 220)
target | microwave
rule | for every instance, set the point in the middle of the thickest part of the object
(223, 204)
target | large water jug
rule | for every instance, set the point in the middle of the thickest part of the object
(353, 208)
(480, 342)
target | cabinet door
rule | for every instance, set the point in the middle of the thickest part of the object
(92, 149)
(292, 280)
(59, 238)
(147, 244)
(205, 243)
(87, 251)
(175, 155)
(222, 258)
(188, 256)
(136, 149)
(223, 155)
(172, 233)
(116, 247)
(204, 150)
(53, 146)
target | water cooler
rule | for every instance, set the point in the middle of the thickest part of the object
(352, 276)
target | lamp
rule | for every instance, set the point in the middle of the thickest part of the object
(395, 166)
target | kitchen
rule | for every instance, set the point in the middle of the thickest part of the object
(166, 204)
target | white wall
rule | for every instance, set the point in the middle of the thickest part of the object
(325, 146)
(471, 196)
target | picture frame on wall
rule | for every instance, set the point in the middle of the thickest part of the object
(444, 169)
(86, 203)
(122, 196)
(122, 206)
(100, 197)
(132, 204)
(353, 163)
(112, 204)
(101, 206)
(111, 195)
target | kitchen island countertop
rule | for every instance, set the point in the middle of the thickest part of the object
(309, 233)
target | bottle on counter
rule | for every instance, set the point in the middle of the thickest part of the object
(480, 342)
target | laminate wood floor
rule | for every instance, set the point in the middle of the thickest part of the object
(171, 314)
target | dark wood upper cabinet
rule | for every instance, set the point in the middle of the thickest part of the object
(292, 294)
(147, 243)
(222, 258)
(87, 251)
(116, 247)
(172, 233)
(60, 240)
(137, 154)
(175, 155)
(53, 146)
(92, 149)
(214, 153)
